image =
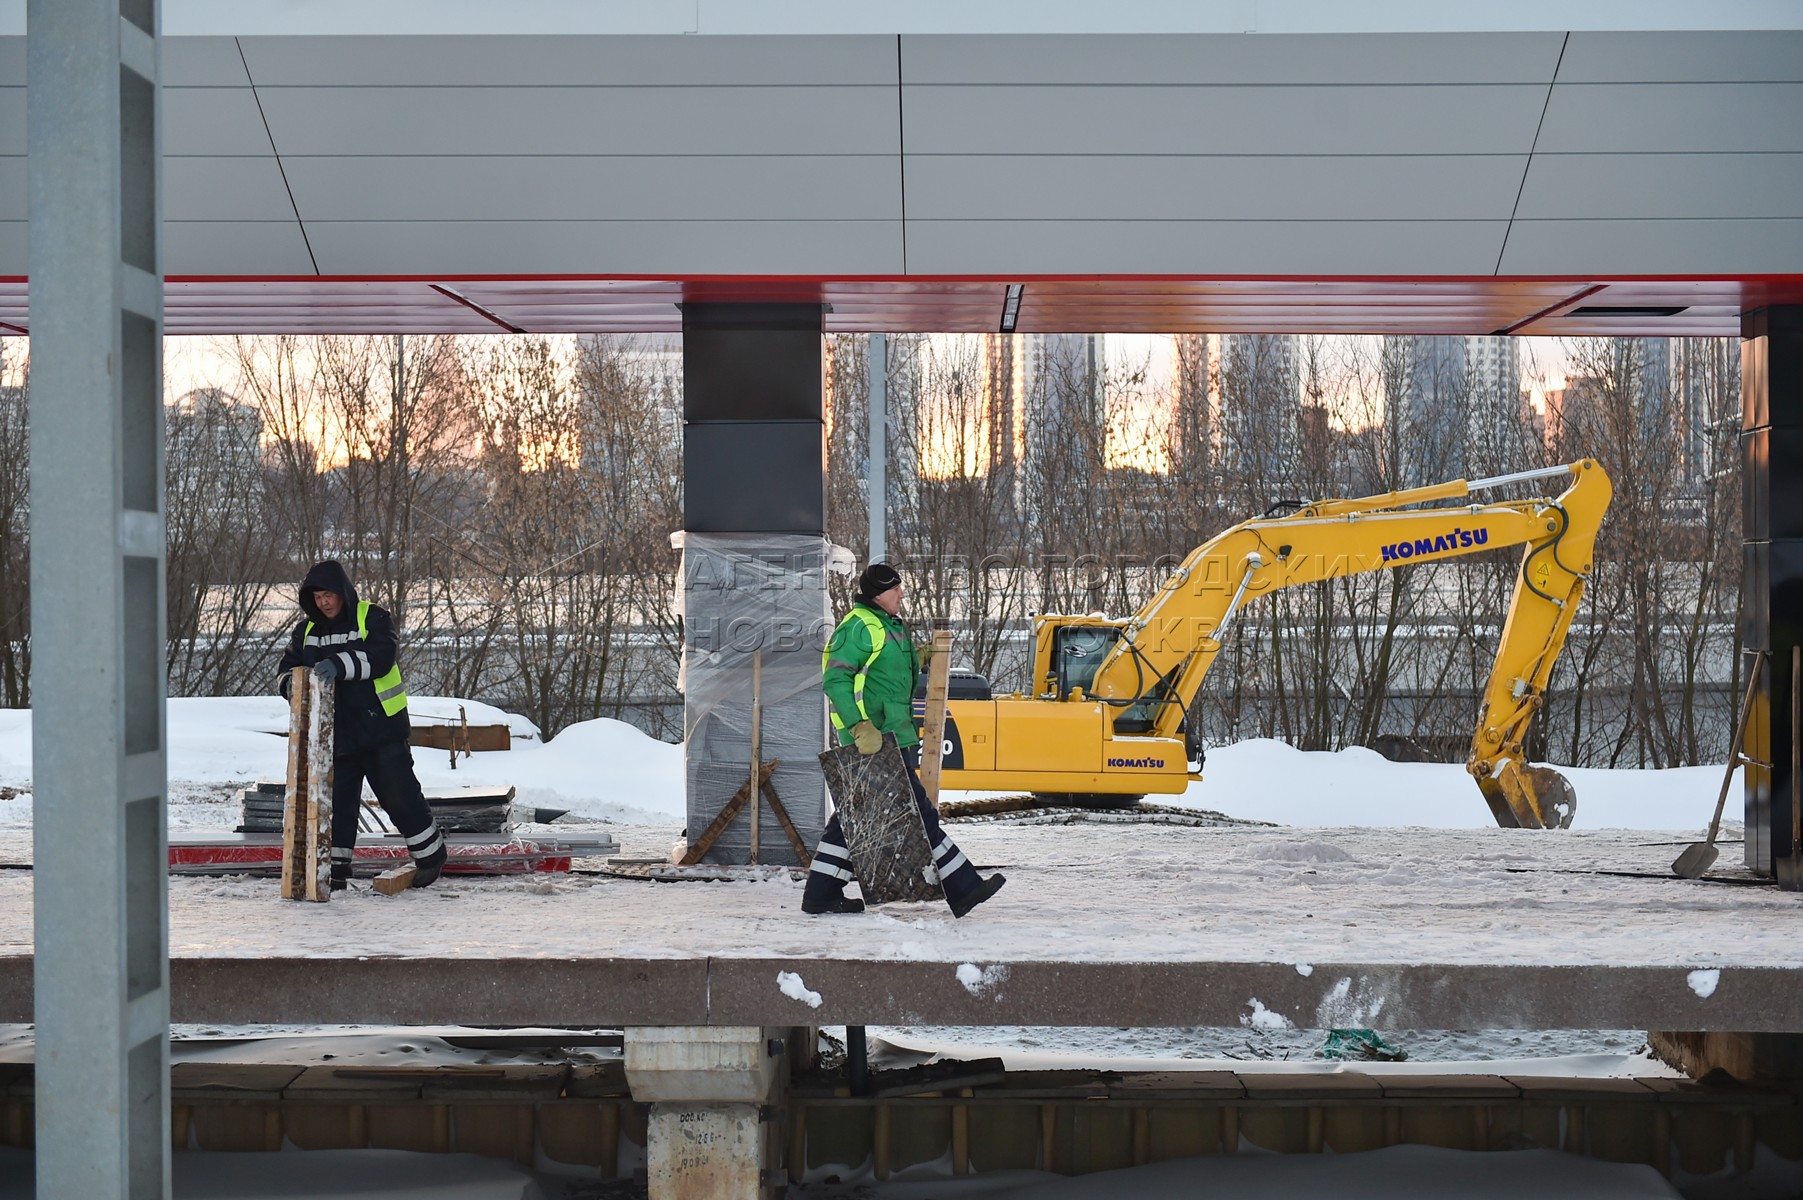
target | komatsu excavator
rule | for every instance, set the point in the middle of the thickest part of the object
(1110, 695)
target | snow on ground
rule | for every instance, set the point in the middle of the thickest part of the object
(608, 771)
(1560, 1053)
(1084, 893)
(1380, 862)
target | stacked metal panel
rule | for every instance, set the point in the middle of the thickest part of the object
(755, 620)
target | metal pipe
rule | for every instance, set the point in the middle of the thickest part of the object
(857, 1060)
(876, 465)
(1254, 561)
(1478, 485)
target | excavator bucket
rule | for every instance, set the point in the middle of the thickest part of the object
(1529, 797)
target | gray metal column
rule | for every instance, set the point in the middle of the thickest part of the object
(1771, 438)
(877, 468)
(98, 780)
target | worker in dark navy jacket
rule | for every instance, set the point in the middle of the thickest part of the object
(352, 642)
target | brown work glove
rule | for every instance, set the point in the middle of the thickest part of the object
(868, 740)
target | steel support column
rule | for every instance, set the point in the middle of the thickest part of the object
(1772, 589)
(101, 996)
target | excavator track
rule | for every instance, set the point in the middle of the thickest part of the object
(1030, 810)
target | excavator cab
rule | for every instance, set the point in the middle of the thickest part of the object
(1074, 648)
(1078, 647)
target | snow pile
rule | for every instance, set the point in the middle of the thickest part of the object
(601, 770)
(1268, 780)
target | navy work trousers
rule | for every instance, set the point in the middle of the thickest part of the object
(389, 769)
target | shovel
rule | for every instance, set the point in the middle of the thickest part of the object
(1700, 856)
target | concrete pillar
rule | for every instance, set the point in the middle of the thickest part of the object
(101, 982)
(713, 1094)
(1772, 590)
(754, 569)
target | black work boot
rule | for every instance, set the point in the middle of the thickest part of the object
(961, 905)
(841, 904)
(341, 876)
(427, 870)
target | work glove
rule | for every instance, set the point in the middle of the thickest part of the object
(327, 670)
(865, 734)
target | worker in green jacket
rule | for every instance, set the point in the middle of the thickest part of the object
(871, 666)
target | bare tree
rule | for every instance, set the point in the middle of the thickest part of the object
(394, 413)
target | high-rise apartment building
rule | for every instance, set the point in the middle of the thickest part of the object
(215, 453)
(1060, 384)
(1192, 405)
(1257, 382)
(1453, 406)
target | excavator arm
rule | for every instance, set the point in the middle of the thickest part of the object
(1156, 665)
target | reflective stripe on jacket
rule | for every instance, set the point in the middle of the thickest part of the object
(390, 692)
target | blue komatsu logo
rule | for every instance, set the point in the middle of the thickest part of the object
(1136, 762)
(1458, 539)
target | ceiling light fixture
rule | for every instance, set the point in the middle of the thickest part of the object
(1626, 310)
(1011, 308)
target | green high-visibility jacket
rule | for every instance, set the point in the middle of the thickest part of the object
(869, 671)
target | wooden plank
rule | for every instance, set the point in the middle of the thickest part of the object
(717, 826)
(395, 880)
(462, 737)
(802, 854)
(932, 730)
(757, 748)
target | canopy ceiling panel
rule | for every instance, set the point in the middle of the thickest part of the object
(328, 170)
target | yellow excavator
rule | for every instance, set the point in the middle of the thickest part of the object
(1110, 695)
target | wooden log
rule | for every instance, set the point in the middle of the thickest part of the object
(320, 734)
(294, 794)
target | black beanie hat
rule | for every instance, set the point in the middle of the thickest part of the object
(877, 579)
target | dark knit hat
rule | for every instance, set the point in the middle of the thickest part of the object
(877, 579)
